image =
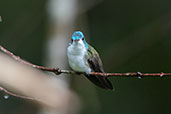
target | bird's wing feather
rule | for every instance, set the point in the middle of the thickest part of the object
(95, 64)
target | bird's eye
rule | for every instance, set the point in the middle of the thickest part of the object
(82, 38)
(71, 40)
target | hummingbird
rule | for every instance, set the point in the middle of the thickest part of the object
(84, 58)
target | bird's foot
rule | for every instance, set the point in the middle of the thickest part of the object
(57, 71)
(79, 73)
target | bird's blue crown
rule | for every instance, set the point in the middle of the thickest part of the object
(78, 35)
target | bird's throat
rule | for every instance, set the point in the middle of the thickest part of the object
(76, 57)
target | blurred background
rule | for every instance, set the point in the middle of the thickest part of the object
(130, 36)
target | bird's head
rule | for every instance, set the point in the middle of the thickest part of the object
(78, 38)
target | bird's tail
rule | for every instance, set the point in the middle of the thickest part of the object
(100, 81)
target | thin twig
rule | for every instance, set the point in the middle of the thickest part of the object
(16, 95)
(133, 74)
(58, 71)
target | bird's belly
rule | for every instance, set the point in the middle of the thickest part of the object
(77, 63)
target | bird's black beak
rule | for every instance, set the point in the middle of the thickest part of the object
(77, 40)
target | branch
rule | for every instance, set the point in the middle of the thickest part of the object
(58, 71)
(16, 95)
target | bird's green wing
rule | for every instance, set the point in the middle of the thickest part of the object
(95, 64)
(94, 60)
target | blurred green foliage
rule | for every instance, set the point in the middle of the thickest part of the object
(130, 36)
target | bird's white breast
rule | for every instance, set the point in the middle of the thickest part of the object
(76, 57)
